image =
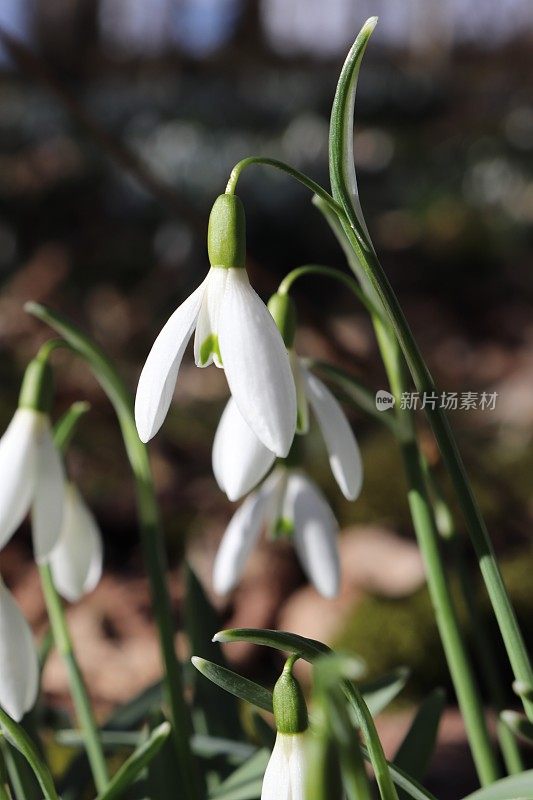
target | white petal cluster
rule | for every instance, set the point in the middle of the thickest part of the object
(286, 772)
(19, 670)
(288, 501)
(32, 478)
(76, 561)
(240, 459)
(235, 330)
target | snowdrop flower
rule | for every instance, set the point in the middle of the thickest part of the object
(240, 460)
(19, 670)
(76, 561)
(286, 773)
(234, 330)
(31, 468)
(288, 504)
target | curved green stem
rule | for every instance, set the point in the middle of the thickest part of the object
(150, 531)
(329, 272)
(84, 713)
(438, 421)
(384, 780)
(482, 640)
(428, 539)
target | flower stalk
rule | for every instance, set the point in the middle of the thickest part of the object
(82, 705)
(150, 531)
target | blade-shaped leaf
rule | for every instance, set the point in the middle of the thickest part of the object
(23, 782)
(414, 753)
(234, 684)
(126, 718)
(131, 768)
(403, 781)
(341, 156)
(245, 783)
(309, 649)
(218, 710)
(16, 734)
(161, 778)
(210, 746)
(378, 693)
(511, 788)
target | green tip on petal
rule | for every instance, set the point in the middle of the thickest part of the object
(290, 710)
(226, 234)
(210, 347)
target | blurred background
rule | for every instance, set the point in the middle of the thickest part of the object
(120, 121)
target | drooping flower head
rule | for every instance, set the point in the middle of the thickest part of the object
(286, 773)
(30, 465)
(76, 560)
(289, 505)
(235, 331)
(241, 460)
(19, 669)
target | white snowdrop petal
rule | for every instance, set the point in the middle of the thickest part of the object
(206, 336)
(160, 372)
(277, 779)
(47, 507)
(240, 537)
(257, 364)
(240, 460)
(19, 672)
(297, 767)
(343, 450)
(17, 469)
(315, 534)
(76, 561)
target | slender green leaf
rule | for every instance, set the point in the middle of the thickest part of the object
(20, 739)
(378, 693)
(354, 775)
(162, 777)
(125, 718)
(414, 754)
(412, 788)
(210, 746)
(70, 737)
(131, 768)
(245, 783)
(218, 710)
(308, 649)
(341, 157)
(136, 710)
(516, 787)
(234, 684)
(24, 784)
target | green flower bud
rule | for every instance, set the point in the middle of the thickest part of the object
(37, 389)
(290, 710)
(226, 234)
(283, 310)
